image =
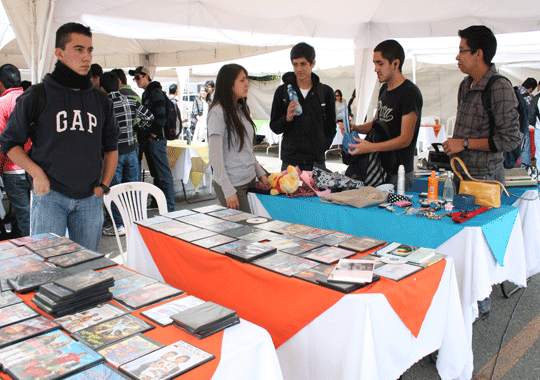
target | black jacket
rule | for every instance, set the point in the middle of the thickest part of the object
(310, 134)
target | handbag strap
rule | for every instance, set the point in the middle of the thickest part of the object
(305, 178)
(462, 164)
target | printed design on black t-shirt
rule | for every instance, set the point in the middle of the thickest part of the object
(384, 112)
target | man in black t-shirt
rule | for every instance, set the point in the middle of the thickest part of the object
(400, 107)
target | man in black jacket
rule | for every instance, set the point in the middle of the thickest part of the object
(306, 137)
(155, 143)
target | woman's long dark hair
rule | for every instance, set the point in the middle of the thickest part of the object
(223, 95)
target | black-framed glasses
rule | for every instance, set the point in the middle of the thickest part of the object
(137, 77)
(461, 51)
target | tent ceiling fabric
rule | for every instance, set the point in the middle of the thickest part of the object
(347, 19)
(257, 23)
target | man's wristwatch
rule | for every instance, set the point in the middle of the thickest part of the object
(466, 144)
(106, 189)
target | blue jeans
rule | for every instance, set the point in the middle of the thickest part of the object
(526, 152)
(537, 144)
(54, 212)
(18, 193)
(127, 170)
(158, 163)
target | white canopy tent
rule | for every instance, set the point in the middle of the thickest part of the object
(262, 23)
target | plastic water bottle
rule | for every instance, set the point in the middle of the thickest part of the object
(294, 98)
(401, 180)
(449, 189)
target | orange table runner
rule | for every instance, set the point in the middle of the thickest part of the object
(281, 305)
(436, 128)
(165, 335)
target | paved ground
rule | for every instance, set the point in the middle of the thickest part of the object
(518, 316)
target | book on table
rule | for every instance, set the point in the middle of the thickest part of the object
(333, 238)
(222, 227)
(167, 362)
(49, 356)
(352, 270)
(361, 244)
(161, 314)
(147, 295)
(328, 255)
(249, 252)
(131, 283)
(397, 272)
(26, 329)
(129, 349)
(90, 317)
(9, 298)
(30, 281)
(16, 313)
(111, 331)
(406, 252)
(205, 319)
(100, 371)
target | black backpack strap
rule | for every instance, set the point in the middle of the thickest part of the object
(103, 98)
(486, 101)
(38, 105)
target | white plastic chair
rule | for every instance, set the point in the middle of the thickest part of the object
(131, 199)
(450, 122)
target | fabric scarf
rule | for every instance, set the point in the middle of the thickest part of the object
(66, 77)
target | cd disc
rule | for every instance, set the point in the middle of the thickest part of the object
(393, 260)
(256, 220)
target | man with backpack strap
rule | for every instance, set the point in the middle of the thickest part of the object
(473, 141)
(154, 143)
(69, 134)
(306, 137)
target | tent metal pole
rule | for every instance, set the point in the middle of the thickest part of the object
(33, 48)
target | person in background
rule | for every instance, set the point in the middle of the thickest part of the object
(306, 137)
(95, 73)
(199, 114)
(25, 84)
(173, 93)
(535, 120)
(230, 139)
(74, 143)
(15, 183)
(352, 105)
(126, 110)
(211, 88)
(526, 89)
(126, 90)
(155, 143)
(340, 104)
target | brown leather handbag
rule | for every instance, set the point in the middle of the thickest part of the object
(486, 192)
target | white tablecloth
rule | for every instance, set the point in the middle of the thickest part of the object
(182, 167)
(361, 337)
(529, 214)
(247, 351)
(426, 135)
(476, 268)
